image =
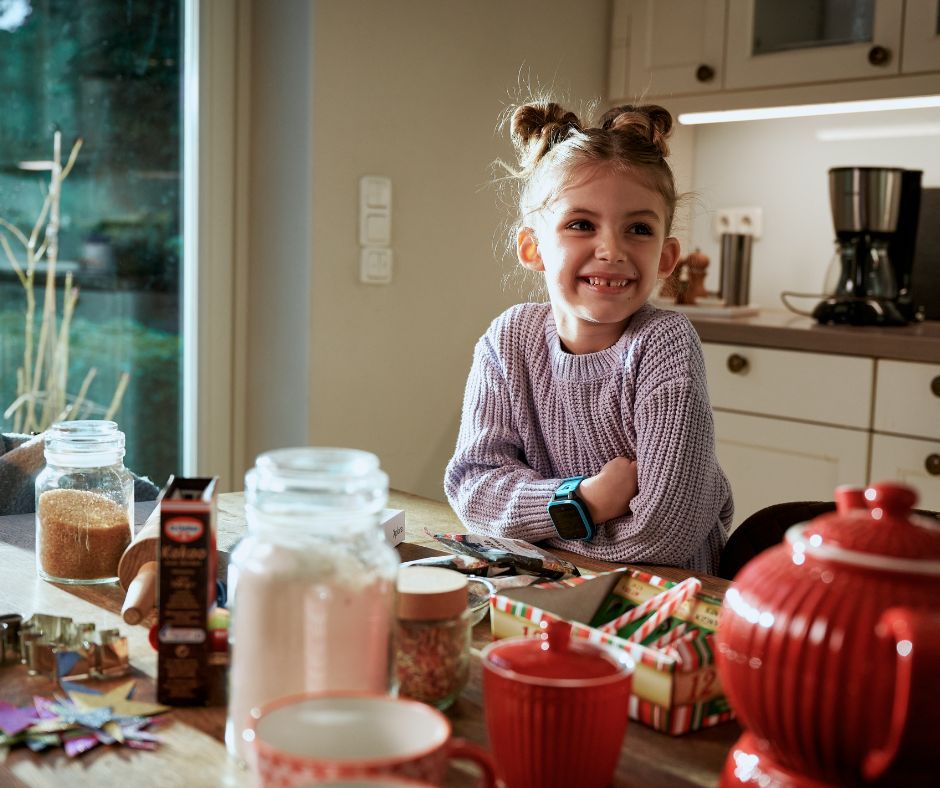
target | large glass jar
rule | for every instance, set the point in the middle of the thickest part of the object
(84, 503)
(312, 586)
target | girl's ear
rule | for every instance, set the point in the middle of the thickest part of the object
(669, 257)
(527, 250)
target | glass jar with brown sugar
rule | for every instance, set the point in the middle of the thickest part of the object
(84, 503)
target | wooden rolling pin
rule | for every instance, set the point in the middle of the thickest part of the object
(137, 571)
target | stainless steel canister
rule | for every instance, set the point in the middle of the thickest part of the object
(736, 268)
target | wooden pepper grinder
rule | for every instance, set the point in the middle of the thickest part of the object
(137, 571)
(696, 264)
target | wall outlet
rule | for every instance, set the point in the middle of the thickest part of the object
(742, 221)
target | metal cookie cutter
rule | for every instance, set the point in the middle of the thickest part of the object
(57, 647)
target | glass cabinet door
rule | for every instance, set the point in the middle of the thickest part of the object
(804, 24)
(804, 41)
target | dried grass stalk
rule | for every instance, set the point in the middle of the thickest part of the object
(42, 380)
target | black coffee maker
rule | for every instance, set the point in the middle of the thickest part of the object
(874, 212)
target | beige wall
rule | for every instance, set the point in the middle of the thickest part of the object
(412, 90)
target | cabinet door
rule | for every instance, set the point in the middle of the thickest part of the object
(907, 399)
(770, 461)
(914, 462)
(921, 50)
(675, 46)
(774, 43)
(819, 387)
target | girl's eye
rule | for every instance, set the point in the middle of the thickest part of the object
(580, 224)
(641, 229)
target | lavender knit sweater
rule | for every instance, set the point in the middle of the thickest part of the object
(534, 414)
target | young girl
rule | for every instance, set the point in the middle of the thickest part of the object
(586, 421)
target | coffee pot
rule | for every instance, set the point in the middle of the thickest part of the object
(874, 213)
(829, 646)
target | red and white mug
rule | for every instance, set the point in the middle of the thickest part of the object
(339, 737)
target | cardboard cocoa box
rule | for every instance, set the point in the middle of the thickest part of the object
(672, 692)
(186, 592)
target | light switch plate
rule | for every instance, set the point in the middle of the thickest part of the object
(375, 265)
(375, 210)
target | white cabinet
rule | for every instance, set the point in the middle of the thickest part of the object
(789, 425)
(906, 441)
(666, 57)
(914, 462)
(920, 50)
(705, 54)
(774, 43)
(793, 425)
(771, 460)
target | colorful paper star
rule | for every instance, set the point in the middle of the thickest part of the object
(13, 719)
(118, 701)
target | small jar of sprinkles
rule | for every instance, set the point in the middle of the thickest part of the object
(432, 637)
(84, 503)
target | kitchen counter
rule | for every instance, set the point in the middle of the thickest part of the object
(787, 331)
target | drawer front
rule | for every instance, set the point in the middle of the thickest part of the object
(907, 399)
(818, 387)
(770, 461)
(914, 462)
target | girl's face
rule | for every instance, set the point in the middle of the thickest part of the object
(602, 245)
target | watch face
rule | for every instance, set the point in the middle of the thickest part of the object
(569, 521)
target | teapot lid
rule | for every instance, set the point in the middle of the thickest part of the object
(874, 527)
(556, 658)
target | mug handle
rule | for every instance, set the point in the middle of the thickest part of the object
(914, 636)
(471, 751)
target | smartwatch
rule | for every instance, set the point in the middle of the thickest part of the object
(569, 514)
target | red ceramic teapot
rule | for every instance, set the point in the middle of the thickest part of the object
(829, 649)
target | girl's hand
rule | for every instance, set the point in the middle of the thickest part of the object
(608, 494)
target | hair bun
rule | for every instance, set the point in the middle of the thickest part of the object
(536, 127)
(649, 122)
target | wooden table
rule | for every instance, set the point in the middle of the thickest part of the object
(192, 752)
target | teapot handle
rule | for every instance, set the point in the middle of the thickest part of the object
(915, 717)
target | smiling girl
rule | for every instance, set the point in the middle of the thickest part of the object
(586, 420)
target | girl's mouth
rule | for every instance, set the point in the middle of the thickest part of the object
(608, 284)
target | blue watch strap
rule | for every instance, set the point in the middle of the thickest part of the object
(568, 487)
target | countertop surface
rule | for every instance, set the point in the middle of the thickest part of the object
(787, 331)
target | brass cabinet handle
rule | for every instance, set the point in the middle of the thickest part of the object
(879, 56)
(704, 73)
(935, 386)
(932, 464)
(737, 363)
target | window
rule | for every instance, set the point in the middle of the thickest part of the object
(108, 72)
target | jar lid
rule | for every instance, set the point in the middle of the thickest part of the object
(85, 443)
(874, 527)
(314, 479)
(556, 656)
(429, 593)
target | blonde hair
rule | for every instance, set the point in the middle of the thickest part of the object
(552, 143)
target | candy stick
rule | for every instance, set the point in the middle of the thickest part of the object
(679, 594)
(680, 648)
(672, 635)
(636, 613)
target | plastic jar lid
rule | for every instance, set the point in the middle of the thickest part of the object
(428, 593)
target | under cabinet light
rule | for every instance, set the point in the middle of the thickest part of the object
(807, 110)
(879, 132)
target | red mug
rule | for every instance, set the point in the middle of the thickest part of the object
(353, 737)
(556, 709)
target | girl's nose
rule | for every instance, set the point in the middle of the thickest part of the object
(610, 248)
